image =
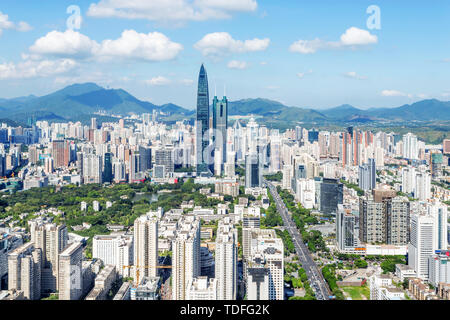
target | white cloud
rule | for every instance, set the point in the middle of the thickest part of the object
(263, 63)
(422, 96)
(307, 46)
(301, 75)
(67, 43)
(234, 64)
(158, 81)
(6, 24)
(170, 10)
(354, 75)
(35, 69)
(394, 93)
(352, 38)
(272, 87)
(222, 43)
(153, 46)
(22, 26)
(187, 82)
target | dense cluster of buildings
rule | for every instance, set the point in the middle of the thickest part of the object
(384, 190)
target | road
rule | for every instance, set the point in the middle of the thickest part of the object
(316, 280)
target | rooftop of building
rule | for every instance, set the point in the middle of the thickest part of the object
(149, 284)
(71, 249)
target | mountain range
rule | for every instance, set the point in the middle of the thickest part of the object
(82, 100)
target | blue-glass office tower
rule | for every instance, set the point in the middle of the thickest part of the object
(202, 140)
(107, 168)
(313, 136)
(220, 125)
(331, 195)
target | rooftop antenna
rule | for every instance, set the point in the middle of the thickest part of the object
(215, 88)
(224, 90)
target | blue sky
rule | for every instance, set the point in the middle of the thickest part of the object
(254, 53)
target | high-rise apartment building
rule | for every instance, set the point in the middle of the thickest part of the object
(92, 168)
(287, 177)
(267, 252)
(384, 222)
(226, 260)
(60, 153)
(70, 281)
(185, 256)
(258, 283)
(52, 239)
(114, 250)
(410, 147)
(24, 271)
(439, 268)
(145, 247)
(251, 220)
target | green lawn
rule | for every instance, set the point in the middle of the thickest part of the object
(357, 293)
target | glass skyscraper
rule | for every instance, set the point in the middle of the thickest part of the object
(220, 125)
(202, 139)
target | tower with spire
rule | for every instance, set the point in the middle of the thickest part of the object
(202, 140)
(220, 126)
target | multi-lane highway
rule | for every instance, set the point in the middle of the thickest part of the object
(318, 283)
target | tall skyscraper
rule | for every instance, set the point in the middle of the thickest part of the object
(267, 252)
(331, 195)
(220, 126)
(145, 247)
(92, 168)
(60, 153)
(345, 229)
(386, 221)
(185, 256)
(107, 168)
(367, 175)
(253, 171)
(422, 245)
(410, 146)
(52, 240)
(164, 156)
(116, 249)
(250, 221)
(439, 212)
(70, 282)
(226, 260)
(24, 270)
(94, 124)
(202, 140)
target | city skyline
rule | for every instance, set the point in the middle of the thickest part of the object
(400, 63)
(123, 178)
